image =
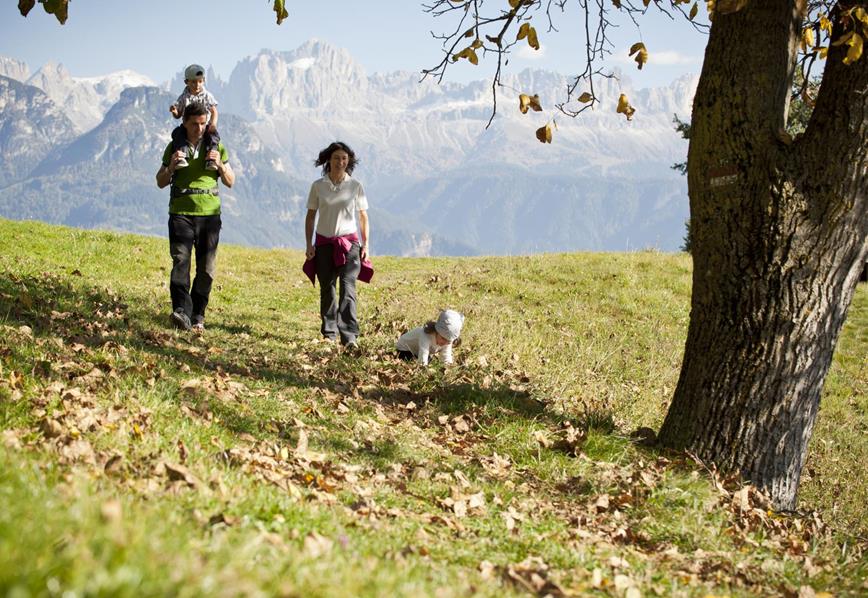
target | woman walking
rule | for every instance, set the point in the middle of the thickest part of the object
(337, 251)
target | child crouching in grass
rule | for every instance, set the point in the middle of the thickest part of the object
(433, 338)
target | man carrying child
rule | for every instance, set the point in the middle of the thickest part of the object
(195, 93)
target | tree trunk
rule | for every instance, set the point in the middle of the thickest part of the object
(780, 233)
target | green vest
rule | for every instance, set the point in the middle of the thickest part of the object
(194, 177)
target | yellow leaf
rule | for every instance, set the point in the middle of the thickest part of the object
(526, 102)
(280, 9)
(624, 107)
(646, 3)
(860, 14)
(469, 53)
(807, 38)
(693, 11)
(616, 3)
(544, 134)
(477, 43)
(823, 52)
(843, 39)
(514, 3)
(586, 97)
(526, 31)
(641, 54)
(855, 51)
(532, 40)
(726, 7)
(825, 24)
(469, 32)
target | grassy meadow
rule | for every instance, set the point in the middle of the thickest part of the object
(256, 459)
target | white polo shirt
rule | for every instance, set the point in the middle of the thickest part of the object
(336, 205)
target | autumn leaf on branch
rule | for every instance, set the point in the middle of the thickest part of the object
(544, 134)
(624, 107)
(726, 7)
(24, 6)
(641, 54)
(854, 40)
(526, 102)
(527, 31)
(469, 53)
(825, 24)
(58, 8)
(807, 40)
(280, 9)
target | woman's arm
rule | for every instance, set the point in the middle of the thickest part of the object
(363, 225)
(309, 250)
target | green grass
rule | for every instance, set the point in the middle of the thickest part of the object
(137, 460)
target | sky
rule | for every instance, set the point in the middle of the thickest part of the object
(157, 38)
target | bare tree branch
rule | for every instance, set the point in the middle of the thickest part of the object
(493, 30)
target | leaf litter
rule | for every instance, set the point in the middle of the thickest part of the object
(73, 411)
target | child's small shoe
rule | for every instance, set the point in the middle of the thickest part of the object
(210, 165)
(181, 163)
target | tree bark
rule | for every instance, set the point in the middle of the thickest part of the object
(780, 233)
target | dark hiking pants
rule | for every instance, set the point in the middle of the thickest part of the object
(186, 234)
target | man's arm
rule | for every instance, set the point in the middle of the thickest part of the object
(363, 224)
(227, 175)
(165, 174)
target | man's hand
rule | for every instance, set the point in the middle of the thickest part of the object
(310, 252)
(363, 254)
(176, 157)
(214, 156)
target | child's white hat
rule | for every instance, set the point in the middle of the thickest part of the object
(193, 72)
(448, 324)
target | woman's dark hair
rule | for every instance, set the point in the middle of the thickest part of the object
(326, 155)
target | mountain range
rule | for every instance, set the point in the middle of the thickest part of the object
(84, 152)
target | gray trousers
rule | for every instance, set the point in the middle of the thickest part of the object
(338, 310)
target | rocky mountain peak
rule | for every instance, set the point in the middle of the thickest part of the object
(14, 69)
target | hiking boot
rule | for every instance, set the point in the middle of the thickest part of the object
(181, 320)
(198, 324)
(352, 348)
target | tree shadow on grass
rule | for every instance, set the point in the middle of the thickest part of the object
(86, 319)
(61, 307)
